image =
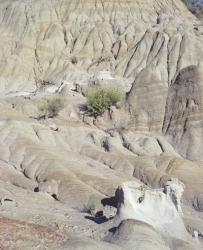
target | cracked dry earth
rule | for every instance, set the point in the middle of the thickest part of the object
(53, 171)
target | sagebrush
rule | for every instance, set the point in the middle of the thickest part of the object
(99, 99)
(52, 106)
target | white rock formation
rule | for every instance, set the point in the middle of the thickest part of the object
(174, 190)
(153, 207)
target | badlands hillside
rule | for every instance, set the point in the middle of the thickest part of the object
(131, 178)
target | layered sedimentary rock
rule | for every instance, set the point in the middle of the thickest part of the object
(81, 166)
(149, 42)
(139, 212)
(54, 172)
(183, 120)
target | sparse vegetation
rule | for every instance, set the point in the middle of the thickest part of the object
(52, 106)
(99, 99)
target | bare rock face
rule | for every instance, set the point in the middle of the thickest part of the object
(47, 42)
(139, 203)
(173, 107)
(150, 219)
(183, 118)
(174, 189)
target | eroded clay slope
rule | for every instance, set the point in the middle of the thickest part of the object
(54, 40)
(61, 173)
(150, 42)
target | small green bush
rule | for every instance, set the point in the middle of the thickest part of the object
(52, 106)
(99, 99)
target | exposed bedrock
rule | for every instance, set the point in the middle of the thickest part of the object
(138, 202)
(63, 169)
(174, 110)
(183, 122)
(79, 157)
(150, 218)
(50, 42)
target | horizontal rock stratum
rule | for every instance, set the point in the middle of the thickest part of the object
(58, 176)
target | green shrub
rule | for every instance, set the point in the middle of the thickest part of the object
(52, 106)
(99, 99)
